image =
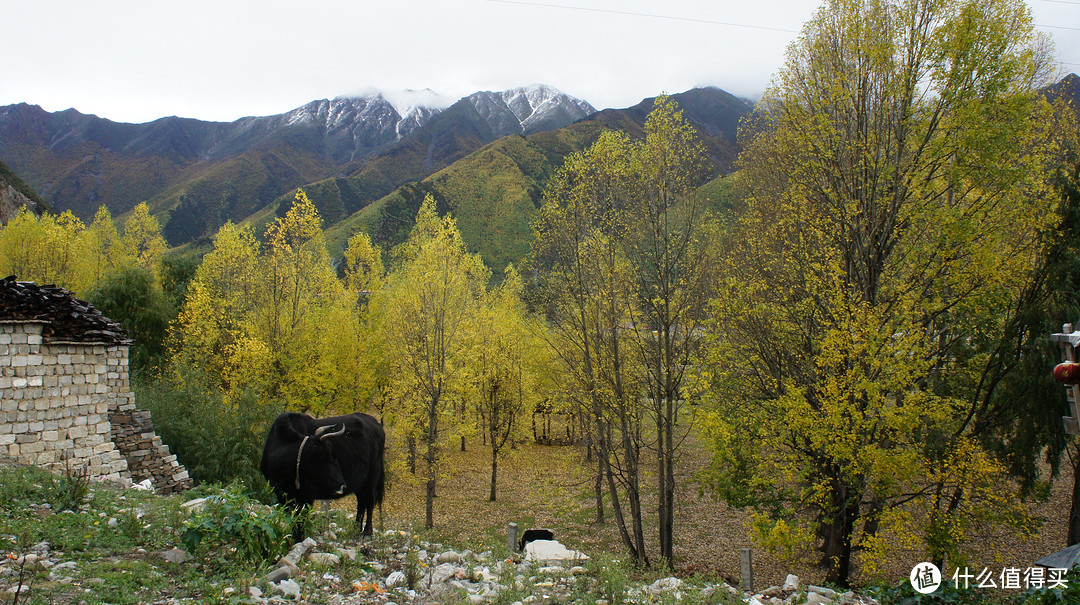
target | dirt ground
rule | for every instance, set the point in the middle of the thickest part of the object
(550, 487)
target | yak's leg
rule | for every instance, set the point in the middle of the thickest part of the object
(363, 516)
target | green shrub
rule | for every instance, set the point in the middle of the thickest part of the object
(215, 441)
(233, 524)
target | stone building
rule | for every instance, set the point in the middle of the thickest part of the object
(65, 400)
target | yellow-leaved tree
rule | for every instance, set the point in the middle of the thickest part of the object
(273, 319)
(894, 186)
(424, 312)
(507, 362)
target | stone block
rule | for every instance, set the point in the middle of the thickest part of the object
(101, 448)
(31, 448)
(50, 436)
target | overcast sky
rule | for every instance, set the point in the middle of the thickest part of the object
(135, 61)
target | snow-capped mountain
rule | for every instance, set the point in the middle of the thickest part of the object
(79, 161)
(534, 108)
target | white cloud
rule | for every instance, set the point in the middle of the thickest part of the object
(219, 60)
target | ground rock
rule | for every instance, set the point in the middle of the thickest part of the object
(814, 598)
(446, 572)
(448, 557)
(665, 585)
(195, 506)
(396, 578)
(41, 549)
(821, 590)
(551, 552)
(288, 588)
(176, 555)
(279, 574)
(791, 582)
(324, 558)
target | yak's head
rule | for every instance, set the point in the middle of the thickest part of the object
(319, 469)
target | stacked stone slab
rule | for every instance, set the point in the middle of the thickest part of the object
(63, 381)
(147, 457)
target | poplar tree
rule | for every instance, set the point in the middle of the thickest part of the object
(895, 183)
(425, 310)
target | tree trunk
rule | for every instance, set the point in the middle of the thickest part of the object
(494, 472)
(598, 488)
(463, 443)
(411, 442)
(664, 408)
(837, 534)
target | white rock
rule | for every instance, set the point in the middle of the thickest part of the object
(288, 588)
(396, 578)
(113, 522)
(665, 585)
(475, 599)
(145, 485)
(445, 573)
(791, 582)
(821, 590)
(41, 549)
(552, 570)
(551, 552)
(324, 558)
(813, 598)
(578, 570)
(448, 557)
(195, 506)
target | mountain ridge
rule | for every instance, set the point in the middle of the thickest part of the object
(78, 161)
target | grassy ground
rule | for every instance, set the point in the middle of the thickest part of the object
(549, 486)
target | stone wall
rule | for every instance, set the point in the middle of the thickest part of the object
(56, 403)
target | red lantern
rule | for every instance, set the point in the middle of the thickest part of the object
(1067, 372)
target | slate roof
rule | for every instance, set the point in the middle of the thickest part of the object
(67, 318)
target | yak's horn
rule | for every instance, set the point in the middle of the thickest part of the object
(321, 432)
